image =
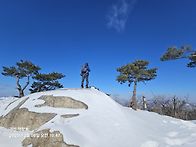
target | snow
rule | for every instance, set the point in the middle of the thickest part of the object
(105, 123)
(5, 102)
(150, 144)
(194, 121)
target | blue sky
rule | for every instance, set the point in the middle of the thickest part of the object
(61, 35)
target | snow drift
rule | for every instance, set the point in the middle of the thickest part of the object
(87, 118)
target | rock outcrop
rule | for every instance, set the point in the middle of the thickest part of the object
(45, 138)
(61, 102)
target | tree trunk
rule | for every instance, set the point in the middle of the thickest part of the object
(28, 81)
(20, 90)
(19, 87)
(21, 93)
(133, 102)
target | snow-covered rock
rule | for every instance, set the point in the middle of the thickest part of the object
(87, 118)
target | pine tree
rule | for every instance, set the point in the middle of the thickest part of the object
(133, 73)
(45, 82)
(174, 53)
(22, 69)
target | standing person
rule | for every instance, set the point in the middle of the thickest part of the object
(85, 73)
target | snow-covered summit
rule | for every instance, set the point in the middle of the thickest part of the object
(90, 118)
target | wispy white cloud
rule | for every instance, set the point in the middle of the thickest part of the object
(118, 14)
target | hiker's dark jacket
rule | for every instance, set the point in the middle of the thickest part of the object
(85, 70)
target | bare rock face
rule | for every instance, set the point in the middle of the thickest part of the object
(26, 119)
(69, 115)
(21, 117)
(45, 138)
(62, 102)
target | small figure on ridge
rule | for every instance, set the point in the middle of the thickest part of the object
(85, 73)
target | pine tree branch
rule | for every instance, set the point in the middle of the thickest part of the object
(27, 83)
